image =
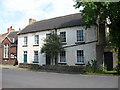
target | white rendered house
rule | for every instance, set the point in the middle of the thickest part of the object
(81, 45)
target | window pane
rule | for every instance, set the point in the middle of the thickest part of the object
(25, 40)
(36, 39)
(25, 52)
(80, 56)
(62, 56)
(36, 56)
(80, 35)
(48, 35)
(6, 51)
(63, 36)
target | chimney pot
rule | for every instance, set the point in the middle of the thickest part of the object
(10, 29)
(31, 21)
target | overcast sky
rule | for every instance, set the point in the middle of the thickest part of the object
(16, 13)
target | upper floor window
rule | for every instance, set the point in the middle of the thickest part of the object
(48, 35)
(36, 39)
(80, 56)
(6, 50)
(35, 57)
(62, 56)
(63, 36)
(80, 35)
(25, 40)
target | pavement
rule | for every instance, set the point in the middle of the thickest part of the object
(12, 77)
(9, 66)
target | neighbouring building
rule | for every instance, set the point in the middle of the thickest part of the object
(9, 47)
(80, 44)
(2, 36)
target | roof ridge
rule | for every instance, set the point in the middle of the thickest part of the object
(56, 22)
(57, 17)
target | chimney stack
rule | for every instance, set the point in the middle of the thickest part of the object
(10, 29)
(31, 21)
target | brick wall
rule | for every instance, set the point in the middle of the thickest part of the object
(12, 50)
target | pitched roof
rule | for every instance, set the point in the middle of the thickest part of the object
(58, 22)
(12, 35)
(2, 36)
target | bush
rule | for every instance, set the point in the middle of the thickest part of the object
(92, 67)
(54, 68)
(29, 66)
(67, 69)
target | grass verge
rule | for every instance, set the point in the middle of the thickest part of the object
(67, 69)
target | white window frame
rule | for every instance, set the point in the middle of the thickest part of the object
(47, 35)
(81, 36)
(80, 57)
(36, 60)
(6, 50)
(63, 37)
(25, 40)
(63, 57)
(36, 39)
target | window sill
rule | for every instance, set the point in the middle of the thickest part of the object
(64, 43)
(36, 45)
(62, 63)
(80, 42)
(13, 58)
(5, 58)
(35, 62)
(24, 45)
(79, 63)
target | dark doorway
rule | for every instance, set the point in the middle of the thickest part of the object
(108, 57)
(47, 59)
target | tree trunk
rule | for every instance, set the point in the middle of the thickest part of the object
(51, 60)
(56, 60)
(101, 45)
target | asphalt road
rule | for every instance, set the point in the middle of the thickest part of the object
(15, 78)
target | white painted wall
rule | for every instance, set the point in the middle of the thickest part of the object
(71, 56)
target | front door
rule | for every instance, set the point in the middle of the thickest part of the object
(47, 59)
(25, 56)
(108, 57)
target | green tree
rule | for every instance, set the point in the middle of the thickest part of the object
(52, 47)
(99, 13)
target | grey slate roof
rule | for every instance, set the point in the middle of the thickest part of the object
(58, 22)
(12, 35)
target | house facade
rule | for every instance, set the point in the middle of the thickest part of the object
(80, 44)
(2, 36)
(9, 47)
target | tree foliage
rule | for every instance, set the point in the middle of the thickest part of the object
(100, 13)
(52, 47)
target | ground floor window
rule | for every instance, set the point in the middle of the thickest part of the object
(13, 55)
(62, 56)
(6, 49)
(80, 56)
(35, 57)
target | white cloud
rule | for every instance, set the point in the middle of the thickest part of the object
(38, 9)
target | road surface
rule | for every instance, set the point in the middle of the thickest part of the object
(16, 78)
